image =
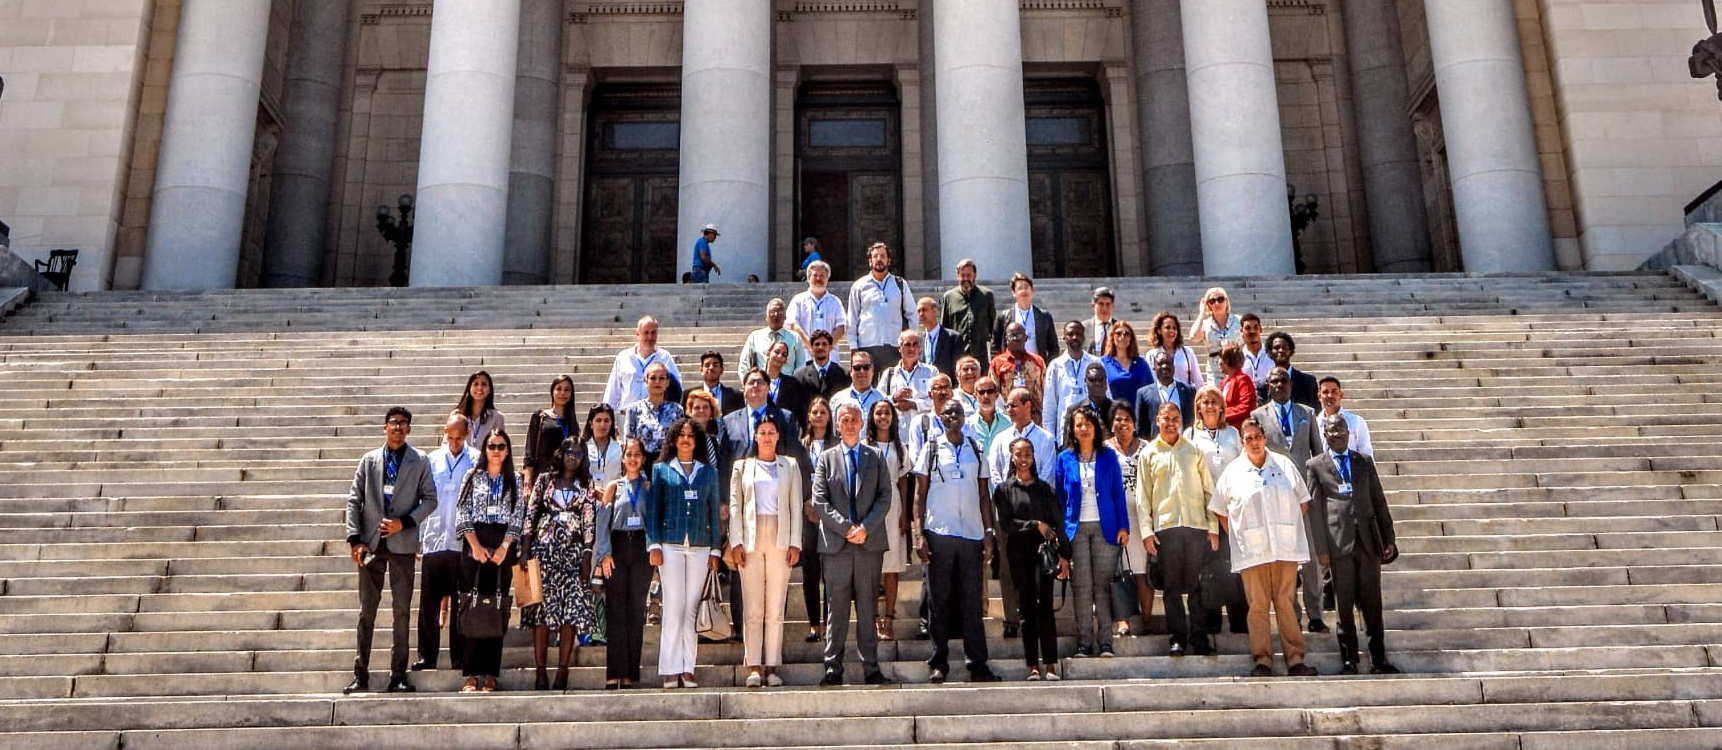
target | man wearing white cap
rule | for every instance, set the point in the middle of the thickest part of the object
(704, 266)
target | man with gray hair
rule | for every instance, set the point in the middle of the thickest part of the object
(759, 342)
(817, 309)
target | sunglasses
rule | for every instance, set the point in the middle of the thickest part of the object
(987, 391)
(496, 447)
(861, 367)
(1216, 300)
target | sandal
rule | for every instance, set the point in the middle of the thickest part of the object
(489, 685)
(885, 624)
(470, 686)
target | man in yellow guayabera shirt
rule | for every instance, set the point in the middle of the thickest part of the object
(1173, 487)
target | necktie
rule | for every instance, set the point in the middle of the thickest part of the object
(1285, 420)
(1344, 467)
(854, 458)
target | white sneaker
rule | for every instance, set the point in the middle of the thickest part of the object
(1034, 675)
(1052, 676)
(772, 680)
(754, 680)
(688, 682)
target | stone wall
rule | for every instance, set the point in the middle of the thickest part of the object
(74, 70)
(1642, 137)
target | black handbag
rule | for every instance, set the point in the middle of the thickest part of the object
(1047, 555)
(1217, 585)
(1123, 590)
(484, 614)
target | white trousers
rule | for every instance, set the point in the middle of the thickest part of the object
(683, 576)
(764, 588)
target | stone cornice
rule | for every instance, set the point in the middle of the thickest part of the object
(395, 11)
(1312, 7)
(624, 9)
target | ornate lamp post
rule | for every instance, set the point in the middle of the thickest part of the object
(1303, 213)
(400, 234)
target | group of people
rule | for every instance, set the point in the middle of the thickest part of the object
(971, 440)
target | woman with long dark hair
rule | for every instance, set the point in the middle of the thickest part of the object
(548, 428)
(603, 449)
(489, 516)
(1167, 333)
(821, 433)
(1090, 486)
(883, 435)
(623, 566)
(478, 406)
(560, 520)
(684, 538)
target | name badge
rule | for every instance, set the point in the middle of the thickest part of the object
(690, 495)
(1344, 488)
(957, 472)
(388, 490)
(493, 510)
(565, 518)
(634, 522)
(1021, 382)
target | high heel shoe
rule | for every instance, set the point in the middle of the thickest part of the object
(561, 682)
(541, 681)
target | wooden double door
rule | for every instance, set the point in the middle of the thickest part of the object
(628, 222)
(849, 173)
(1069, 180)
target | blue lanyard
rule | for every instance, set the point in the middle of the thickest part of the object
(563, 423)
(1343, 461)
(496, 489)
(880, 285)
(391, 467)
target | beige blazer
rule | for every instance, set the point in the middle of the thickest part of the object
(743, 509)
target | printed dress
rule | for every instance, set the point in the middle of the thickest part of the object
(560, 525)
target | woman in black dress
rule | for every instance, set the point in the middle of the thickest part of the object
(1029, 513)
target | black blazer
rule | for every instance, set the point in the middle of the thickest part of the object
(1369, 504)
(952, 346)
(1148, 406)
(792, 397)
(1303, 390)
(729, 399)
(1045, 338)
(836, 379)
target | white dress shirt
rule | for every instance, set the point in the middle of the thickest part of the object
(1045, 451)
(825, 312)
(1263, 507)
(436, 532)
(627, 382)
(1065, 387)
(1359, 431)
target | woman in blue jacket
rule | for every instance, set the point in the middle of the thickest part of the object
(683, 540)
(1091, 488)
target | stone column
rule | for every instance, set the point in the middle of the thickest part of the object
(1392, 181)
(532, 170)
(1235, 128)
(461, 219)
(198, 209)
(1498, 195)
(1168, 155)
(982, 138)
(293, 242)
(929, 117)
(726, 135)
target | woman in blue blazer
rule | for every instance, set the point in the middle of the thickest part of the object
(1090, 486)
(683, 540)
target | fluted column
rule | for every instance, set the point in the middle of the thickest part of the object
(1235, 128)
(1392, 179)
(982, 138)
(532, 169)
(197, 211)
(461, 217)
(1498, 196)
(1168, 155)
(304, 162)
(726, 135)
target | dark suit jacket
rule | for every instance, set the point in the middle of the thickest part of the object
(413, 501)
(729, 399)
(1045, 338)
(1303, 390)
(1306, 441)
(836, 379)
(951, 347)
(736, 440)
(1369, 508)
(1148, 406)
(831, 499)
(792, 397)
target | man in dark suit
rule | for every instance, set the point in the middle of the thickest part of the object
(711, 375)
(940, 347)
(1291, 430)
(850, 497)
(1353, 535)
(1042, 339)
(822, 376)
(392, 492)
(1164, 389)
(1303, 385)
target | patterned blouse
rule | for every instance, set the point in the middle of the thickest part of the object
(640, 420)
(483, 500)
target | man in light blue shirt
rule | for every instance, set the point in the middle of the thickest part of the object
(704, 265)
(954, 538)
(439, 576)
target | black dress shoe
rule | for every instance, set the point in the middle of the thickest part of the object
(399, 684)
(983, 675)
(1262, 670)
(1349, 667)
(921, 633)
(1383, 668)
(1301, 670)
(879, 678)
(1317, 626)
(813, 637)
(1083, 652)
(422, 665)
(936, 677)
(1010, 630)
(359, 684)
(831, 679)
(1201, 645)
(1177, 649)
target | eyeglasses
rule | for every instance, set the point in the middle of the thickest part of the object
(986, 391)
(496, 447)
(861, 367)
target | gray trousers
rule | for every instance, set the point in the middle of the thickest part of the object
(851, 577)
(1311, 573)
(1091, 568)
(399, 568)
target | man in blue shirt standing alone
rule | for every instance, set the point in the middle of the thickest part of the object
(704, 266)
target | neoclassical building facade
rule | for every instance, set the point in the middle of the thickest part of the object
(222, 143)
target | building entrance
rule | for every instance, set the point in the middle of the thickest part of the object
(849, 172)
(628, 222)
(1069, 185)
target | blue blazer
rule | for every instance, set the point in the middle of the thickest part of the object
(672, 519)
(1108, 492)
(1148, 405)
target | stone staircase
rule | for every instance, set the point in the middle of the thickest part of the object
(172, 468)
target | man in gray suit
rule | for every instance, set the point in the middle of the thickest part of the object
(392, 492)
(1292, 432)
(1354, 536)
(850, 498)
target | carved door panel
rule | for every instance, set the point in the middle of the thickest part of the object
(1069, 183)
(825, 214)
(1041, 222)
(1085, 224)
(875, 215)
(849, 183)
(630, 230)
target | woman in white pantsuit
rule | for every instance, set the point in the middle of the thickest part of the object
(765, 536)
